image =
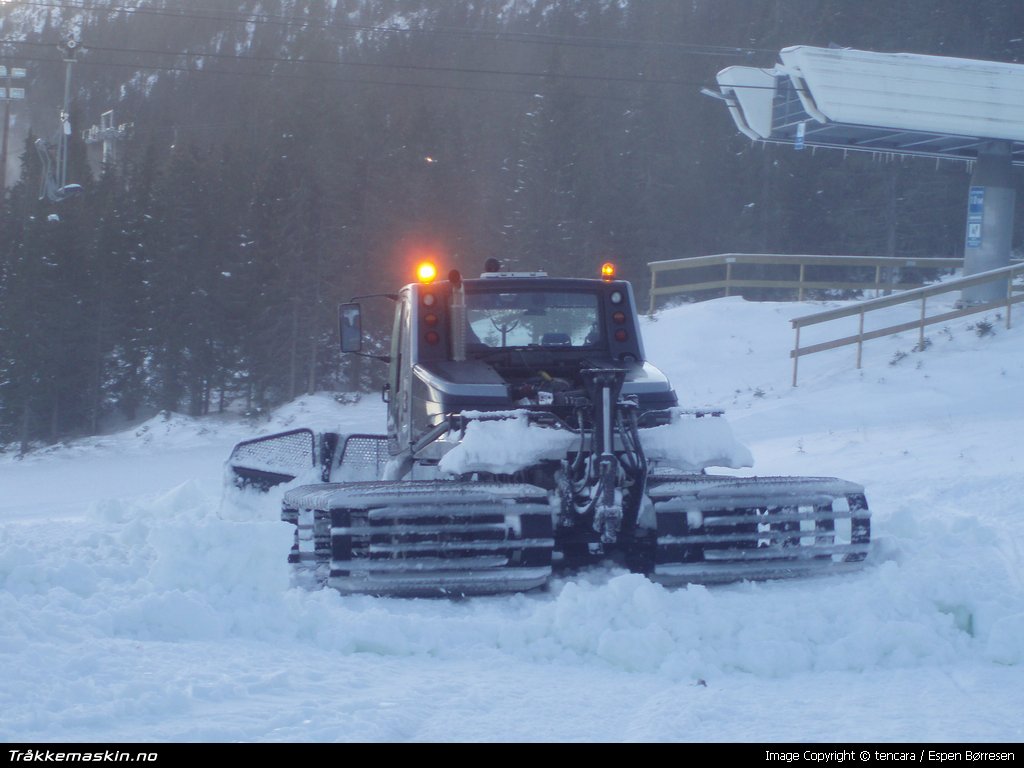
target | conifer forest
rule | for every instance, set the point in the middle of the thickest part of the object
(280, 156)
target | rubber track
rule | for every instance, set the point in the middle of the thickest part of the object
(424, 539)
(718, 529)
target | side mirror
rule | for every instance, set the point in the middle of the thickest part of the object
(350, 324)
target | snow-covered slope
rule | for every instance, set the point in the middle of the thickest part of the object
(136, 603)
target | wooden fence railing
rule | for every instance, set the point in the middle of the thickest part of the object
(795, 272)
(906, 297)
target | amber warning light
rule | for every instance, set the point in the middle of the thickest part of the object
(426, 272)
(608, 271)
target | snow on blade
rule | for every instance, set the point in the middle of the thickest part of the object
(692, 443)
(504, 446)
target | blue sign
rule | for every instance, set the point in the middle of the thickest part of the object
(975, 216)
(976, 201)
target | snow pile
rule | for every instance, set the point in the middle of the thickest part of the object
(138, 600)
(691, 443)
(506, 445)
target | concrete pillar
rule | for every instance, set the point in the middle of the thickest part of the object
(989, 220)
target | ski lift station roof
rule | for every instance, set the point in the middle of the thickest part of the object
(895, 103)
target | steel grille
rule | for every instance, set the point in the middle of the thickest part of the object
(364, 456)
(289, 452)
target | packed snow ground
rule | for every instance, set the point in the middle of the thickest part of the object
(139, 602)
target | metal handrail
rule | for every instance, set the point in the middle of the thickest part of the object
(918, 294)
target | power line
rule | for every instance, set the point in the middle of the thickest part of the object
(276, 60)
(534, 38)
(413, 67)
(373, 65)
(306, 78)
(267, 18)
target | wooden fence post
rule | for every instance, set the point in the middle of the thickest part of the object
(860, 339)
(1009, 299)
(796, 354)
(920, 340)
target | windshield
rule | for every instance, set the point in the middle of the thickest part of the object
(532, 318)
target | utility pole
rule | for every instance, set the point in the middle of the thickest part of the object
(55, 163)
(69, 52)
(8, 93)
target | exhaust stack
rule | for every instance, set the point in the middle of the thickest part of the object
(458, 316)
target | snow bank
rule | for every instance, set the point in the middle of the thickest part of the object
(139, 601)
(174, 569)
